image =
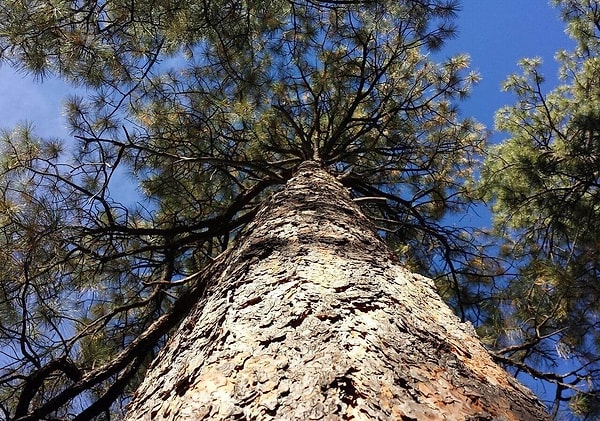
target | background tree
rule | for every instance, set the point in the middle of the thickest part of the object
(207, 108)
(544, 181)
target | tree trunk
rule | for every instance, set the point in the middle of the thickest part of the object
(310, 316)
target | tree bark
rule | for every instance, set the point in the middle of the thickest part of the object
(310, 316)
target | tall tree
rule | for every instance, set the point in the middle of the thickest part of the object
(208, 108)
(545, 185)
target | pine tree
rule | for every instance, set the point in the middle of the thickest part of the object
(544, 183)
(207, 109)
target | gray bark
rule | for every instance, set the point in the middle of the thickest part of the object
(309, 316)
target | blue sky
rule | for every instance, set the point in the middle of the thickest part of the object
(497, 34)
(24, 99)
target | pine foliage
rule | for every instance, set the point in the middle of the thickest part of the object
(544, 184)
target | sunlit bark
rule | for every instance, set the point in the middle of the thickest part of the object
(309, 316)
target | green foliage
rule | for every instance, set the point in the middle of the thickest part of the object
(205, 108)
(585, 405)
(544, 184)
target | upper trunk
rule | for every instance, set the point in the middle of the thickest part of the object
(310, 316)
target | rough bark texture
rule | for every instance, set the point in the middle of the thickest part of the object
(310, 317)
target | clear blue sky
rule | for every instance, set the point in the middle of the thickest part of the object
(497, 34)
